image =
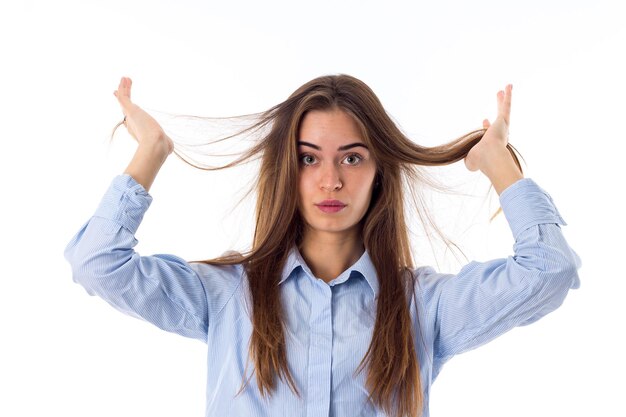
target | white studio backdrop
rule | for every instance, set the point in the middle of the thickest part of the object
(436, 66)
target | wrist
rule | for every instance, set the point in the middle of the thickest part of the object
(494, 160)
(501, 169)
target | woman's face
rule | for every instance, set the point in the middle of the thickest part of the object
(335, 164)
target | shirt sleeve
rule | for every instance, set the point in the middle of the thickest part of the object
(162, 289)
(486, 299)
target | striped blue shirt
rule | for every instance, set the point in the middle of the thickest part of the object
(328, 325)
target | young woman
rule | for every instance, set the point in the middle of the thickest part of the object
(326, 314)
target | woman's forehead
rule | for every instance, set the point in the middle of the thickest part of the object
(329, 129)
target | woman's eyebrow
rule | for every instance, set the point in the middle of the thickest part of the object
(341, 148)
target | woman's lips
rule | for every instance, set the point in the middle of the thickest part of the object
(330, 209)
(331, 205)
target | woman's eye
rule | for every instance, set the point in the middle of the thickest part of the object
(304, 158)
(355, 157)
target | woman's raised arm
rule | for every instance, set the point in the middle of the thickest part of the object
(487, 299)
(163, 289)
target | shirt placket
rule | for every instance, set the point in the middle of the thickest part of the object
(320, 351)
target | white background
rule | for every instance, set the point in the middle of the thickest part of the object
(436, 66)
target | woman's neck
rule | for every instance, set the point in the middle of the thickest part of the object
(329, 254)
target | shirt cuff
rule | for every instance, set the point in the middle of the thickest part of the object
(125, 202)
(525, 204)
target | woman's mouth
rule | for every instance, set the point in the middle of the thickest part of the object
(330, 209)
(331, 206)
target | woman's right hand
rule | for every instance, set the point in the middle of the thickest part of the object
(141, 126)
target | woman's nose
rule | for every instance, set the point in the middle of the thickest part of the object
(330, 180)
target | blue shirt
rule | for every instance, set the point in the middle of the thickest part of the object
(328, 325)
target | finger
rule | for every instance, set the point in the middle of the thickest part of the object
(504, 103)
(123, 93)
(486, 124)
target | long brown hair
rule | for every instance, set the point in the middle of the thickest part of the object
(393, 371)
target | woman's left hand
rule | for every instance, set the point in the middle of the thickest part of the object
(495, 139)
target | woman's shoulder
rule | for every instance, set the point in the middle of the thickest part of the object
(428, 274)
(227, 273)
(428, 281)
(427, 277)
(220, 282)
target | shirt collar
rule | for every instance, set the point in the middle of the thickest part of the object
(363, 266)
